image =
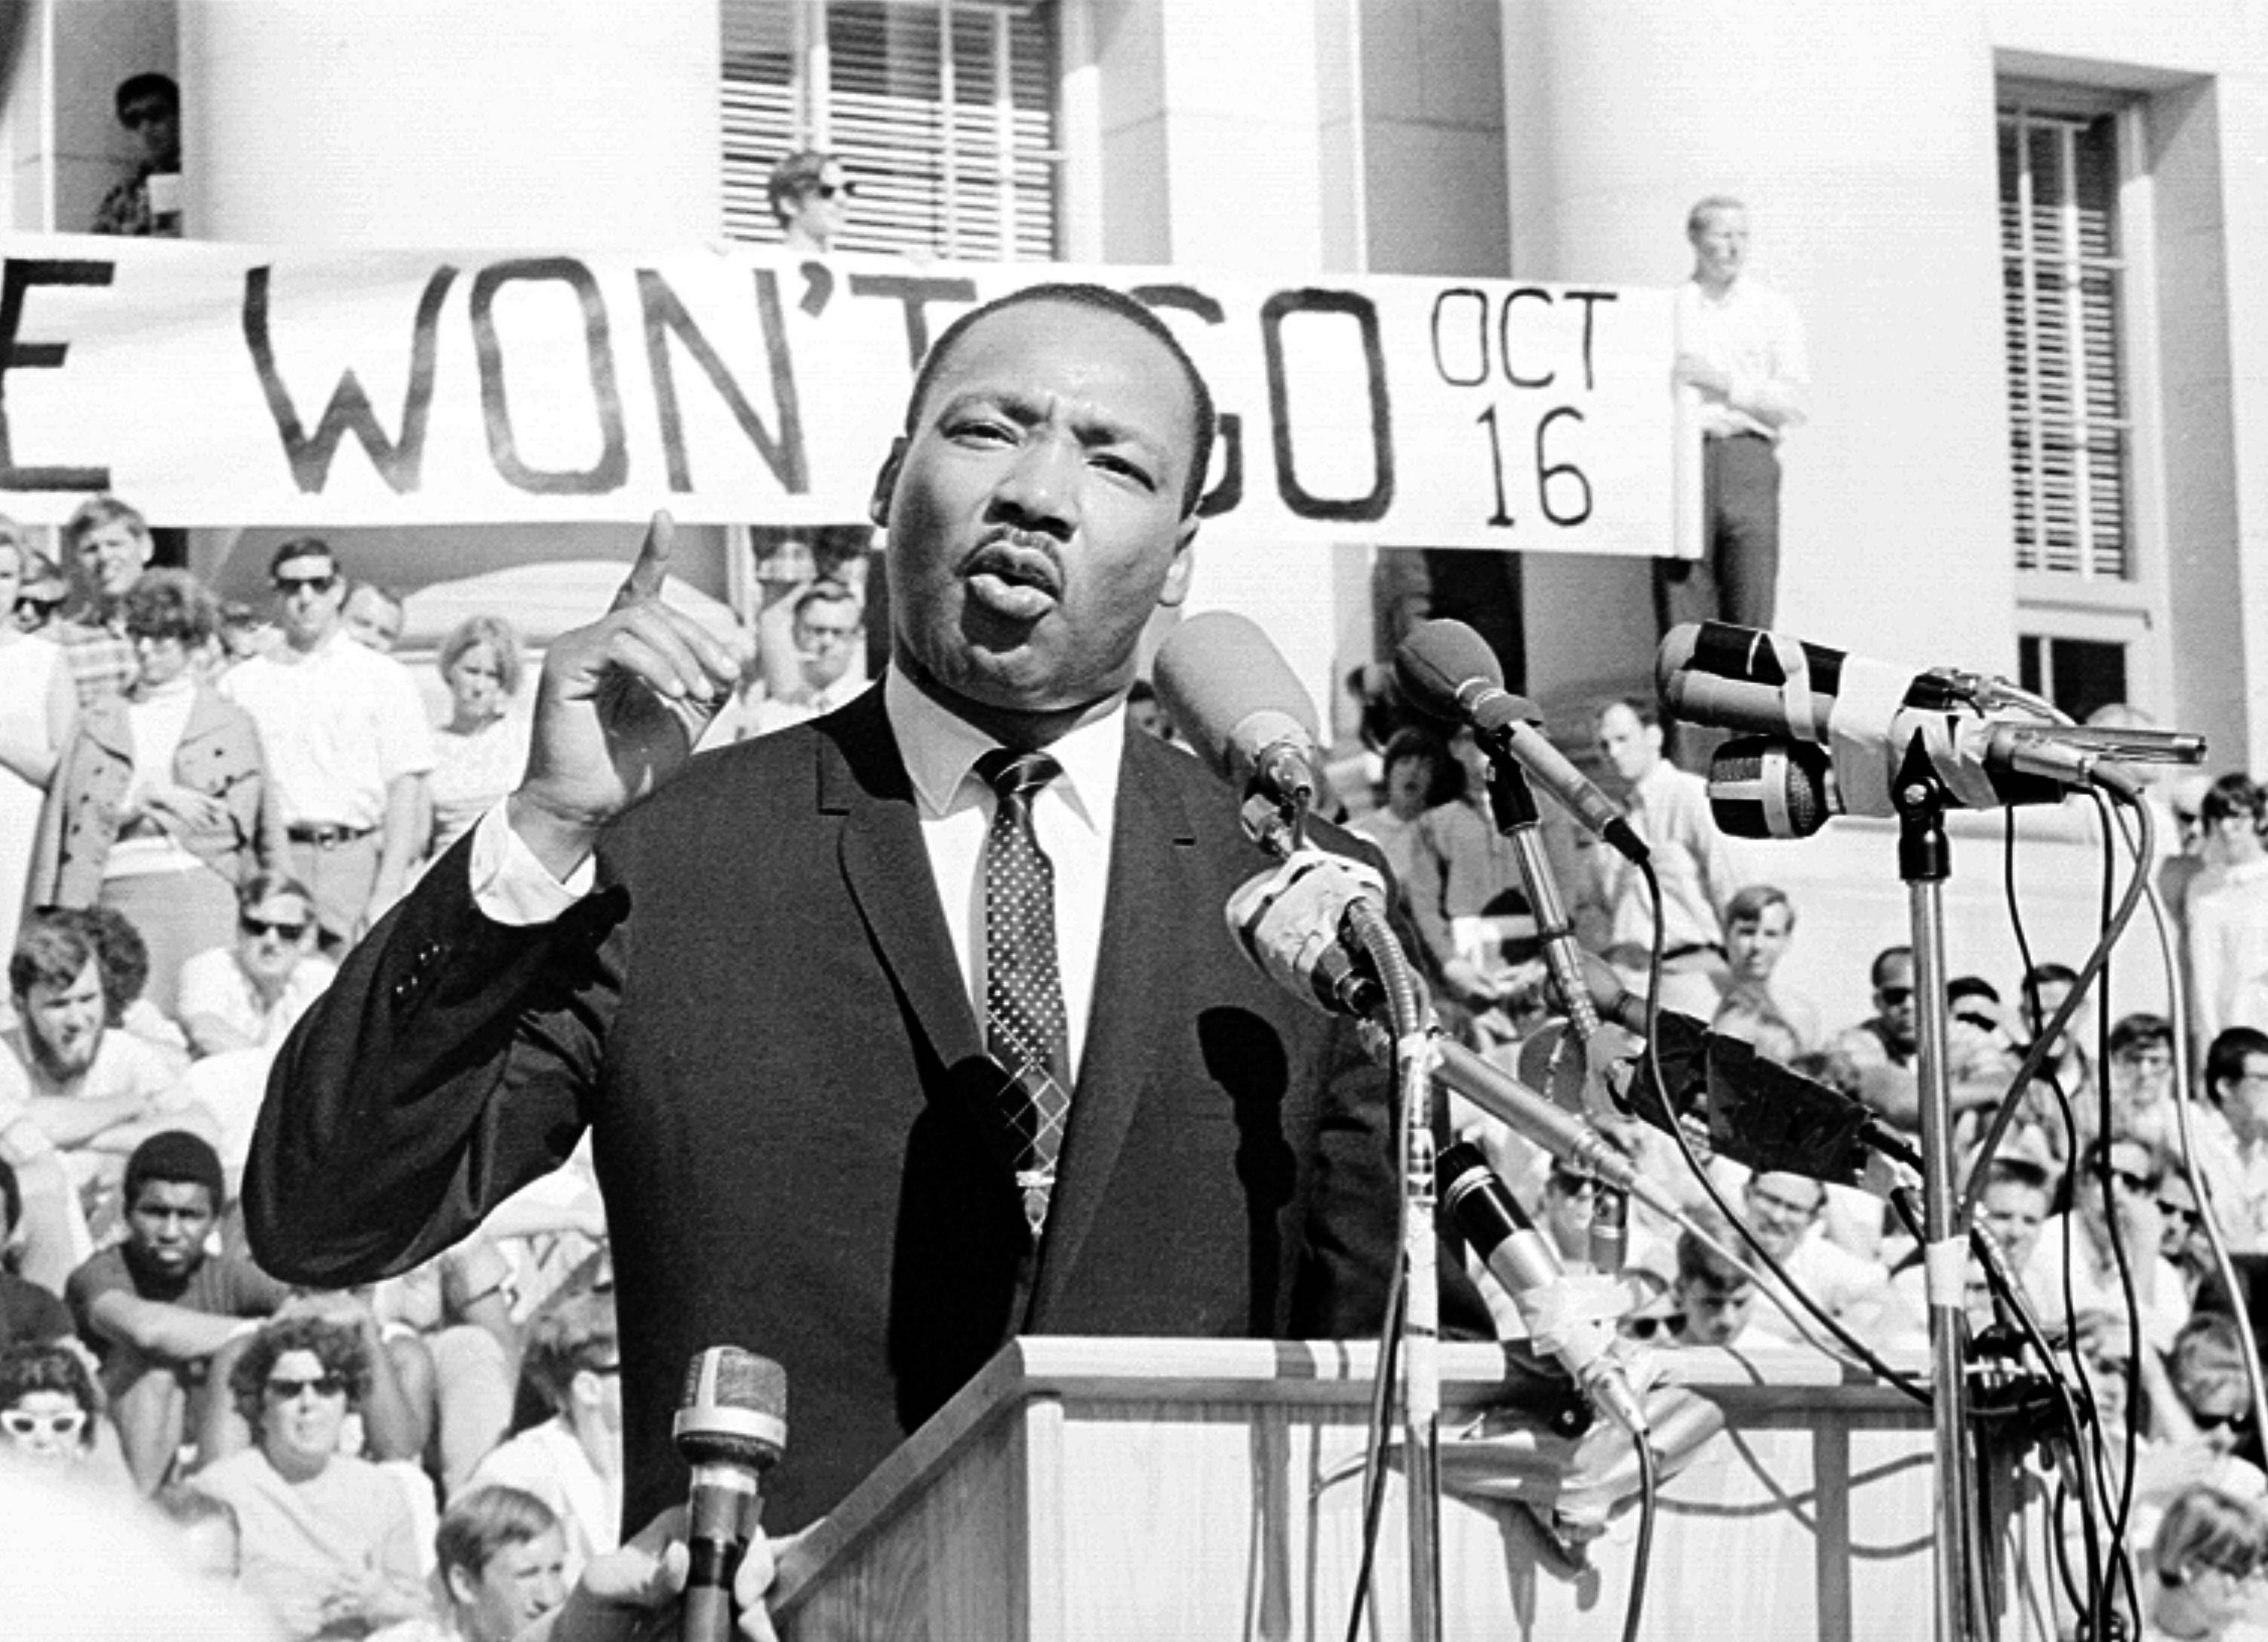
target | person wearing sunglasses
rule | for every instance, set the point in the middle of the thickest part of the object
(347, 739)
(149, 105)
(37, 707)
(2204, 1566)
(249, 993)
(162, 804)
(47, 1404)
(328, 1542)
(810, 199)
(2118, 1177)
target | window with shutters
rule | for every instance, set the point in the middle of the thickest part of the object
(942, 112)
(2069, 295)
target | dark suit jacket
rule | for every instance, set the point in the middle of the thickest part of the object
(760, 1017)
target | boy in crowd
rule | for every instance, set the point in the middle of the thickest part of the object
(162, 1312)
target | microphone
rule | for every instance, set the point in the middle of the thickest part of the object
(1292, 921)
(1516, 1254)
(1247, 715)
(1767, 683)
(730, 1427)
(1874, 718)
(1448, 671)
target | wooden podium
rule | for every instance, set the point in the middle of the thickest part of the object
(1086, 1489)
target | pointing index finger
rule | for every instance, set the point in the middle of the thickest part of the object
(653, 567)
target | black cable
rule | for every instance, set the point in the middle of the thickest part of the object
(1373, 1474)
(1648, 1483)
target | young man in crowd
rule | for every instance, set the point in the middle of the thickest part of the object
(29, 1313)
(95, 1092)
(347, 741)
(163, 1314)
(106, 546)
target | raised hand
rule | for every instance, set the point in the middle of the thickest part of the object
(621, 704)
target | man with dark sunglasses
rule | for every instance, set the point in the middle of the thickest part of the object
(811, 198)
(250, 994)
(347, 742)
(147, 204)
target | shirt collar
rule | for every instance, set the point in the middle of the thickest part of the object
(941, 749)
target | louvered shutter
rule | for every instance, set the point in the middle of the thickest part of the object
(952, 150)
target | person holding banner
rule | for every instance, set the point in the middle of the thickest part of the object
(783, 983)
(1739, 348)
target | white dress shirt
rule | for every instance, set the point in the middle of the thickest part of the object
(1752, 333)
(1074, 818)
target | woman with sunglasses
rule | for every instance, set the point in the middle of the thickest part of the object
(37, 707)
(161, 805)
(328, 1542)
(47, 1405)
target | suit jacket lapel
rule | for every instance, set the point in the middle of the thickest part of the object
(886, 868)
(1154, 851)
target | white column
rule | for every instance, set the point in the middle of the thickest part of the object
(1861, 136)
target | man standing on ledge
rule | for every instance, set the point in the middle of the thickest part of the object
(902, 1030)
(1740, 345)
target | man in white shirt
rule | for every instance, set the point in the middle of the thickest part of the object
(830, 630)
(1740, 347)
(1669, 809)
(347, 742)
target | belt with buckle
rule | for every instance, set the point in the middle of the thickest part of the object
(327, 837)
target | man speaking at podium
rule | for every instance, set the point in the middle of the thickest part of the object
(894, 1039)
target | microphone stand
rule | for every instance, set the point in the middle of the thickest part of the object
(1965, 1611)
(1512, 801)
(1414, 1056)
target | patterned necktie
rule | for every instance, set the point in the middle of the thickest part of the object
(1025, 1027)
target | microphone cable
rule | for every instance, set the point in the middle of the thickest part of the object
(1649, 1485)
(1406, 1011)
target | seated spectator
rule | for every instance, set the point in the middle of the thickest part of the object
(2076, 1248)
(1786, 1212)
(2205, 1564)
(1420, 776)
(2182, 1239)
(1466, 893)
(95, 1093)
(29, 1313)
(1716, 1299)
(501, 1567)
(2014, 1203)
(124, 957)
(1884, 1046)
(2212, 1395)
(160, 1312)
(2141, 1083)
(573, 1461)
(2068, 1063)
(47, 1404)
(328, 1542)
(374, 616)
(480, 753)
(161, 804)
(250, 993)
(2228, 913)
(1759, 924)
(2232, 1154)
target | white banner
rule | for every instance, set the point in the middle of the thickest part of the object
(215, 384)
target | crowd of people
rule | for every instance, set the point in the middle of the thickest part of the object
(206, 810)
(203, 808)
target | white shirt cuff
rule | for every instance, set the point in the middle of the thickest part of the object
(510, 886)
